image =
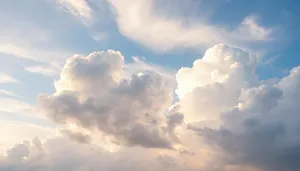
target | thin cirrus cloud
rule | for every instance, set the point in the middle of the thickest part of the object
(8, 93)
(43, 70)
(78, 8)
(138, 20)
(6, 78)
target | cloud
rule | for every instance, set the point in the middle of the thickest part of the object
(139, 21)
(58, 153)
(43, 70)
(16, 106)
(8, 93)
(31, 46)
(5, 78)
(221, 71)
(249, 27)
(79, 9)
(31, 52)
(77, 136)
(253, 122)
(95, 91)
(140, 65)
(225, 118)
(17, 131)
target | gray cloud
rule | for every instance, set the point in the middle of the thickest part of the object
(77, 136)
(262, 130)
(94, 92)
(233, 120)
(62, 154)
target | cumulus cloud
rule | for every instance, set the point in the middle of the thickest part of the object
(59, 153)
(225, 118)
(15, 131)
(138, 20)
(214, 82)
(140, 65)
(94, 91)
(77, 136)
(256, 122)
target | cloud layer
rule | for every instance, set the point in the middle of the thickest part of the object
(225, 118)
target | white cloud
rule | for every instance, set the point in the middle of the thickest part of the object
(249, 28)
(44, 70)
(213, 84)
(78, 8)
(12, 105)
(28, 47)
(14, 131)
(252, 122)
(225, 116)
(8, 93)
(95, 91)
(137, 20)
(60, 154)
(139, 65)
(25, 50)
(5, 78)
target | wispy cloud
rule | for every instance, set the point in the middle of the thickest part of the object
(78, 8)
(8, 93)
(5, 78)
(250, 29)
(29, 47)
(15, 106)
(139, 21)
(43, 70)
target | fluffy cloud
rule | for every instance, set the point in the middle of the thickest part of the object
(225, 119)
(258, 122)
(214, 83)
(94, 91)
(13, 131)
(59, 153)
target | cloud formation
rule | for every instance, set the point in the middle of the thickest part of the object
(94, 91)
(59, 154)
(139, 21)
(253, 122)
(214, 83)
(225, 118)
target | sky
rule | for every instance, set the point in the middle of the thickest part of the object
(206, 85)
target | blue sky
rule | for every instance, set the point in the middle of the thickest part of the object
(46, 31)
(233, 66)
(51, 32)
